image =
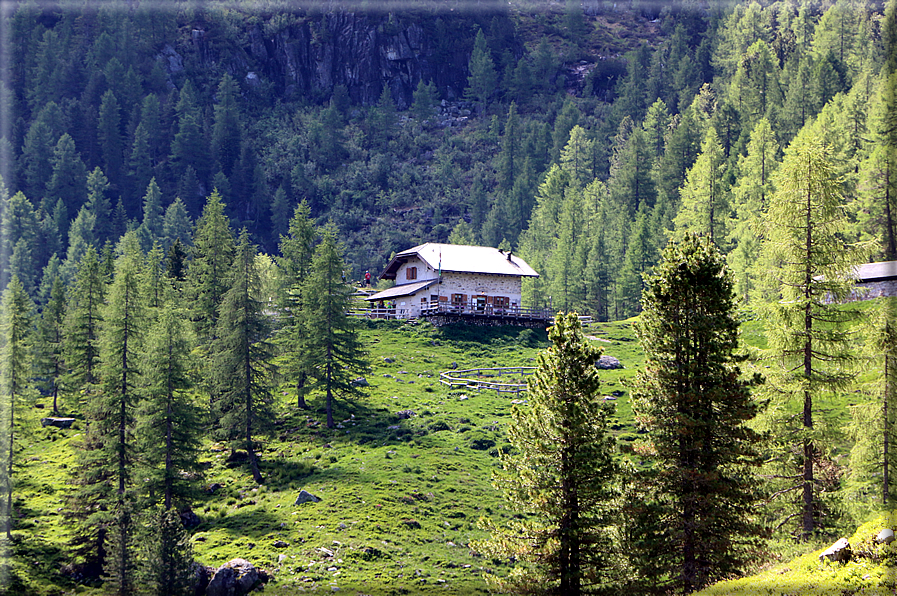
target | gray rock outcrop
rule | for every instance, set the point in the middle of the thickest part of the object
(237, 577)
(608, 363)
(886, 536)
(57, 422)
(306, 497)
(839, 552)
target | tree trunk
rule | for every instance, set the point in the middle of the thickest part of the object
(12, 407)
(300, 396)
(329, 373)
(885, 489)
(168, 433)
(808, 373)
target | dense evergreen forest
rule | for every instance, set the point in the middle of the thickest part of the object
(187, 186)
(581, 138)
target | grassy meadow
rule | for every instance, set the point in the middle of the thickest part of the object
(401, 492)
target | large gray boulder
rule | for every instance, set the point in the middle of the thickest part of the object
(608, 363)
(886, 536)
(237, 577)
(306, 497)
(839, 552)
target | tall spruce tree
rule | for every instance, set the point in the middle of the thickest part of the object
(331, 347)
(808, 265)
(561, 482)
(696, 410)
(242, 372)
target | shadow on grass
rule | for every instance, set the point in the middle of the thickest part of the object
(356, 423)
(246, 522)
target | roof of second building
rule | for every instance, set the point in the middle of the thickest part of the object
(403, 290)
(884, 270)
(461, 258)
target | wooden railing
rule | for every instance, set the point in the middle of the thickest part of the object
(487, 310)
(473, 378)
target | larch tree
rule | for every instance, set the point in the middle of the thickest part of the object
(297, 250)
(873, 425)
(15, 367)
(241, 354)
(167, 430)
(208, 276)
(750, 199)
(331, 347)
(562, 480)
(696, 410)
(83, 318)
(483, 79)
(704, 207)
(808, 264)
(112, 412)
(49, 358)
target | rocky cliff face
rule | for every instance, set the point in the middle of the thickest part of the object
(309, 56)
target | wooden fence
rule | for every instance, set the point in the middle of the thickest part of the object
(477, 378)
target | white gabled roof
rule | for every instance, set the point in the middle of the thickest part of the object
(459, 258)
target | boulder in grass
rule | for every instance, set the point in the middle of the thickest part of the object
(306, 497)
(57, 422)
(839, 552)
(608, 363)
(237, 577)
(886, 536)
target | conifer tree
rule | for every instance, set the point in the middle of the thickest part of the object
(331, 347)
(696, 411)
(750, 197)
(704, 207)
(209, 272)
(82, 323)
(177, 225)
(15, 326)
(808, 264)
(150, 229)
(49, 359)
(111, 142)
(483, 79)
(561, 482)
(166, 564)
(297, 250)
(167, 418)
(69, 175)
(98, 204)
(242, 372)
(423, 100)
(226, 132)
(874, 421)
(111, 412)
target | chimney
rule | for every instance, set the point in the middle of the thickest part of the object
(509, 255)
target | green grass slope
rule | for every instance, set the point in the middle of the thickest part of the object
(871, 571)
(400, 497)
